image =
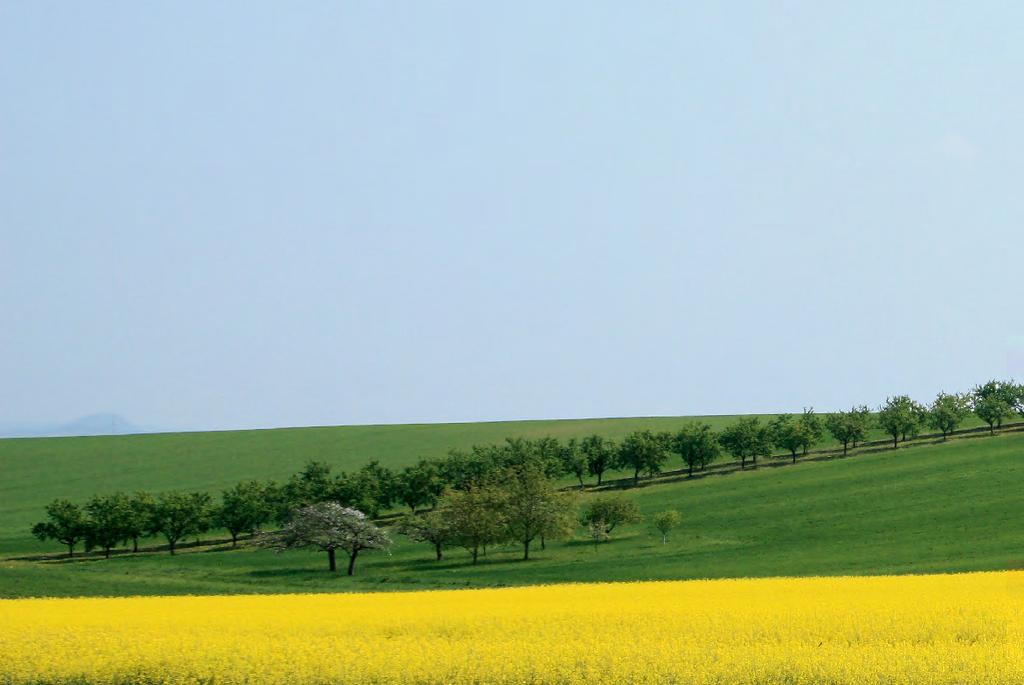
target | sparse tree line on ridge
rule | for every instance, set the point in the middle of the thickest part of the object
(491, 494)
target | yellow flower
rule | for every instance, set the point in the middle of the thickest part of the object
(901, 629)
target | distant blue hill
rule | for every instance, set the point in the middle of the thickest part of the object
(94, 424)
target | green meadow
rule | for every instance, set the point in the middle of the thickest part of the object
(38, 470)
(927, 506)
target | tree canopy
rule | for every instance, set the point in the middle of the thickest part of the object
(697, 444)
(66, 523)
(849, 426)
(746, 439)
(947, 412)
(328, 527)
(900, 416)
(609, 511)
(643, 452)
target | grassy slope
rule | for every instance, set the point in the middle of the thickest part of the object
(35, 471)
(924, 508)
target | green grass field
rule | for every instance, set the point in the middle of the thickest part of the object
(38, 470)
(922, 508)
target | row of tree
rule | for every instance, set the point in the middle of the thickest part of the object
(517, 504)
(107, 521)
(522, 506)
(506, 493)
(901, 417)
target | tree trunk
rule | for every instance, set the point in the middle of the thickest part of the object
(135, 545)
(172, 544)
(794, 457)
(475, 552)
(690, 465)
(895, 444)
(106, 552)
(437, 548)
(599, 474)
(331, 560)
(526, 550)
(352, 562)
(234, 539)
(664, 538)
(636, 475)
(845, 443)
(543, 543)
(743, 463)
(71, 551)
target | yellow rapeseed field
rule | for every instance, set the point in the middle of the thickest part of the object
(907, 629)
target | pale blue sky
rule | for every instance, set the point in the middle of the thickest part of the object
(236, 214)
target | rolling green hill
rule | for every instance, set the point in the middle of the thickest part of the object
(926, 507)
(37, 470)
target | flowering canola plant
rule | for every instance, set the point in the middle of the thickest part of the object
(897, 629)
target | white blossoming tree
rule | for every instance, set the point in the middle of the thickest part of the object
(328, 526)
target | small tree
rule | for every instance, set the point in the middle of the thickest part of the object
(139, 520)
(475, 517)
(597, 532)
(66, 523)
(109, 521)
(243, 509)
(600, 454)
(993, 410)
(666, 521)
(328, 527)
(534, 508)
(812, 429)
(746, 439)
(379, 486)
(609, 511)
(420, 485)
(434, 527)
(864, 421)
(947, 412)
(177, 516)
(789, 434)
(697, 444)
(204, 511)
(574, 461)
(849, 426)
(994, 402)
(642, 451)
(900, 416)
